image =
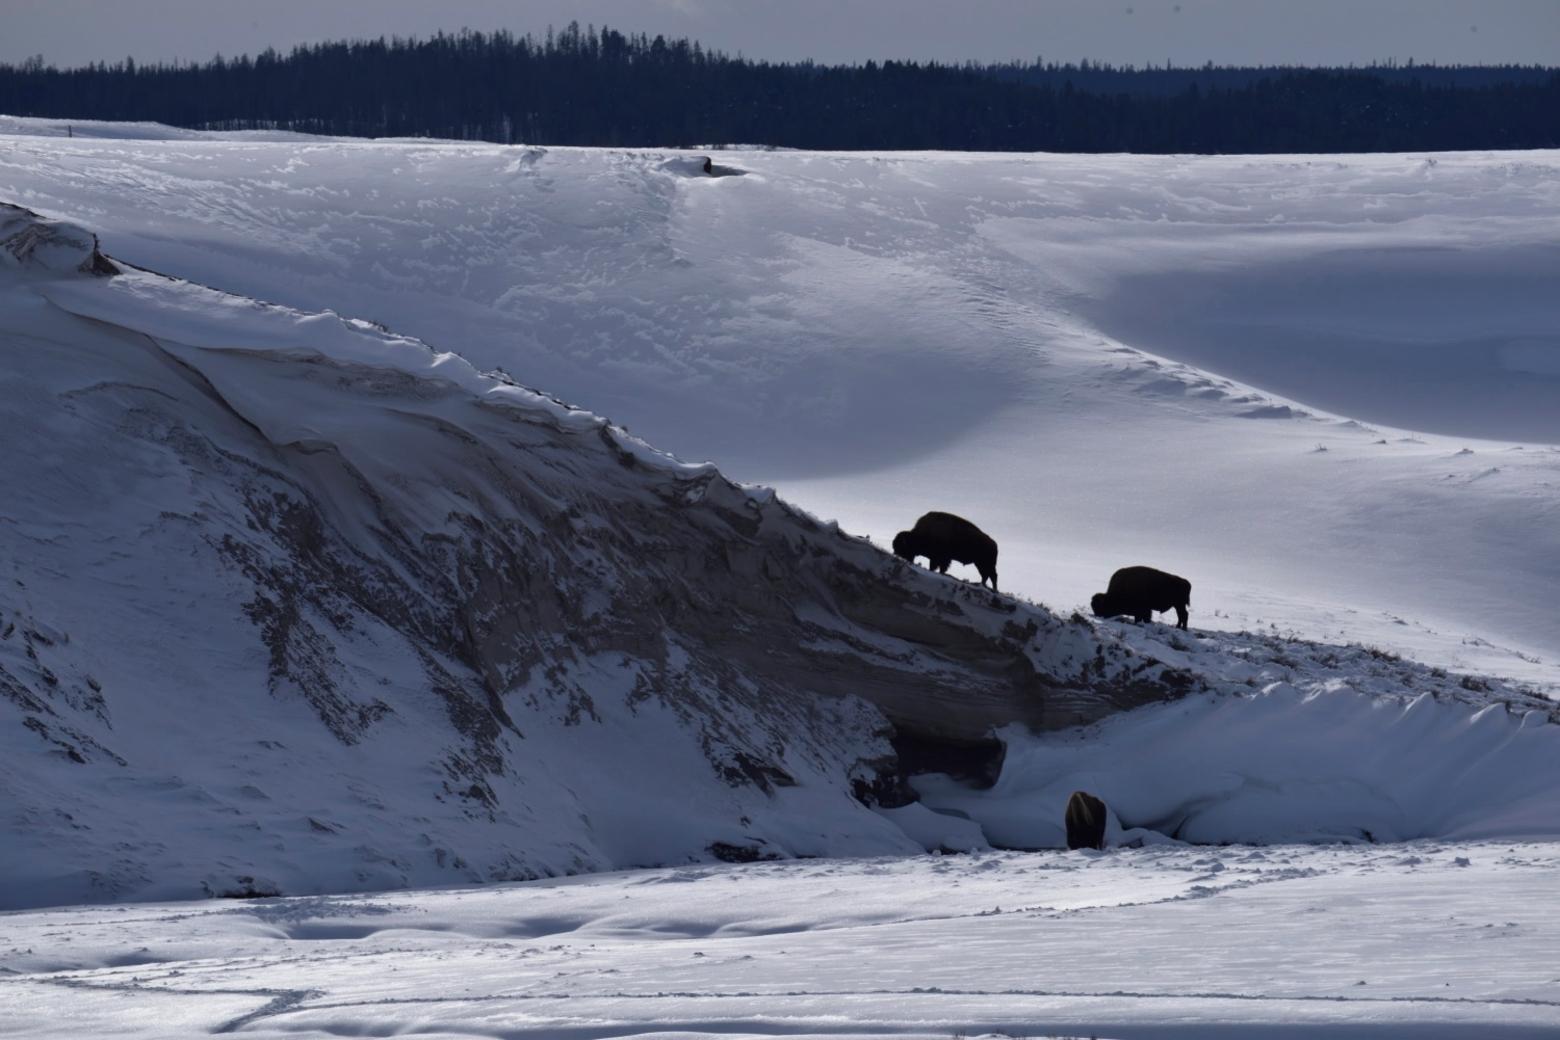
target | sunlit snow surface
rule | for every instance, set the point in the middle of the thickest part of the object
(1413, 941)
(1326, 389)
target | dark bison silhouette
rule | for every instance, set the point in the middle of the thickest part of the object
(715, 169)
(1085, 821)
(943, 539)
(1140, 591)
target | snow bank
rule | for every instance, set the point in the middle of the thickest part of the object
(1452, 942)
(1283, 765)
(30, 243)
(402, 589)
(100, 129)
(1070, 350)
(205, 319)
(300, 605)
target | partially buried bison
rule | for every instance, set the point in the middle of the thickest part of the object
(1085, 820)
(944, 539)
(1139, 591)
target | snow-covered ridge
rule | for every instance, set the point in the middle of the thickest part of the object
(301, 605)
(297, 604)
(27, 241)
(1315, 373)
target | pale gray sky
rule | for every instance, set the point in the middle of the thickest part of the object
(1309, 32)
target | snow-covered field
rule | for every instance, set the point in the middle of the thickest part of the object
(1407, 942)
(1323, 388)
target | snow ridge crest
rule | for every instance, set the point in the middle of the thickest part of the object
(30, 240)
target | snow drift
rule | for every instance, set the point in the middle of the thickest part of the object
(1102, 360)
(1280, 765)
(29, 241)
(298, 605)
(1448, 941)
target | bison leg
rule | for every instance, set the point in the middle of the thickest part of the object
(1180, 616)
(1143, 617)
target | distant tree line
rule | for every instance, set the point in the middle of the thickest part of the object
(1103, 78)
(584, 87)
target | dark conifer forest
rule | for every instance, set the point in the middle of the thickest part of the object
(589, 87)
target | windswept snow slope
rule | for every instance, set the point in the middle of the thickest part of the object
(1418, 942)
(299, 605)
(294, 604)
(1325, 389)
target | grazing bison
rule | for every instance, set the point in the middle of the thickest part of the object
(715, 169)
(1085, 821)
(1140, 591)
(943, 539)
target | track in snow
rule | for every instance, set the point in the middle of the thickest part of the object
(1417, 940)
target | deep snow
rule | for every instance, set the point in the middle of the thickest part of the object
(1323, 388)
(297, 605)
(1406, 942)
(400, 591)
(1013, 334)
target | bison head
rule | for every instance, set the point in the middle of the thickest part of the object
(1102, 606)
(905, 545)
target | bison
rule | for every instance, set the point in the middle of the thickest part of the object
(943, 539)
(1139, 591)
(1085, 821)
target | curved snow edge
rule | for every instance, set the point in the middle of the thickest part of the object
(31, 241)
(1278, 766)
(202, 318)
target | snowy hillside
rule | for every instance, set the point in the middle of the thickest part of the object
(1324, 389)
(301, 604)
(296, 604)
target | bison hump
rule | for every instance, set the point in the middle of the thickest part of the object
(949, 526)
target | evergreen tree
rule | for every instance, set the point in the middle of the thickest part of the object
(590, 86)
